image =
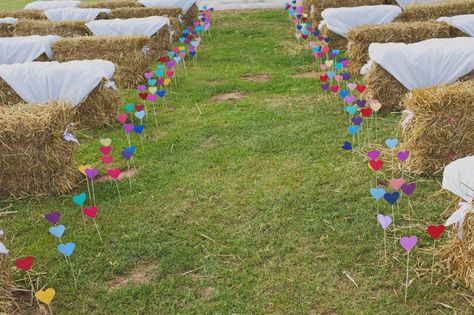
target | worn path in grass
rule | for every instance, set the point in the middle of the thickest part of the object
(246, 206)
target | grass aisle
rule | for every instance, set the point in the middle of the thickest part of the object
(248, 207)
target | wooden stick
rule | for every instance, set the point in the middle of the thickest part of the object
(433, 261)
(93, 192)
(97, 228)
(118, 191)
(406, 281)
(72, 271)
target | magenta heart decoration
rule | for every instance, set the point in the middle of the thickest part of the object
(408, 189)
(403, 155)
(53, 217)
(152, 97)
(128, 128)
(141, 88)
(408, 242)
(373, 155)
(171, 64)
(345, 63)
(385, 221)
(91, 172)
(148, 75)
(349, 99)
(161, 82)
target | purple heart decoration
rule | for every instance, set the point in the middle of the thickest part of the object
(408, 242)
(356, 120)
(325, 86)
(53, 217)
(403, 155)
(141, 88)
(384, 221)
(148, 75)
(332, 55)
(345, 62)
(361, 103)
(126, 155)
(373, 155)
(346, 76)
(128, 128)
(91, 172)
(152, 97)
(408, 189)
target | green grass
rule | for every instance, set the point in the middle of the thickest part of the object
(256, 197)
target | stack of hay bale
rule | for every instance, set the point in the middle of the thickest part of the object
(7, 26)
(26, 48)
(317, 6)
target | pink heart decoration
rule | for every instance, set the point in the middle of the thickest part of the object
(152, 97)
(122, 118)
(148, 75)
(323, 67)
(352, 86)
(396, 183)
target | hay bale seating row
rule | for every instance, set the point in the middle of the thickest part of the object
(35, 159)
(315, 7)
(361, 37)
(442, 127)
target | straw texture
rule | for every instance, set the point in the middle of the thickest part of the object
(432, 11)
(65, 29)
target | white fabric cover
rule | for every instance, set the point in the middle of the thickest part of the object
(404, 3)
(183, 4)
(341, 20)
(73, 14)
(52, 4)
(458, 178)
(137, 26)
(465, 23)
(25, 48)
(8, 20)
(40, 82)
(427, 63)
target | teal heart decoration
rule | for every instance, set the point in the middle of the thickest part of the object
(140, 115)
(66, 249)
(391, 143)
(129, 108)
(353, 129)
(160, 67)
(79, 199)
(182, 39)
(170, 54)
(377, 193)
(152, 82)
(57, 231)
(351, 109)
(338, 66)
(331, 74)
(177, 59)
(316, 48)
(159, 73)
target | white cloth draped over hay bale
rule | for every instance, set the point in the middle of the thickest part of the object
(395, 68)
(8, 20)
(74, 14)
(147, 26)
(26, 48)
(338, 21)
(52, 4)
(404, 3)
(464, 23)
(36, 159)
(85, 84)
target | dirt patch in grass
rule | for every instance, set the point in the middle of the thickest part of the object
(215, 82)
(256, 77)
(124, 174)
(310, 74)
(207, 293)
(227, 97)
(142, 274)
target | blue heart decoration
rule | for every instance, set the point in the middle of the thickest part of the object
(159, 73)
(351, 110)
(66, 249)
(316, 33)
(182, 39)
(152, 82)
(392, 198)
(347, 146)
(327, 39)
(161, 93)
(331, 75)
(130, 149)
(336, 51)
(316, 48)
(57, 231)
(299, 27)
(344, 93)
(192, 53)
(139, 129)
(338, 66)
(377, 193)
(353, 130)
(391, 143)
(79, 199)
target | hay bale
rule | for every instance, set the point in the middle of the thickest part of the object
(442, 127)
(111, 4)
(23, 14)
(191, 15)
(7, 304)
(35, 159)
(141, 12)
(66, 28)
(432, 11)
(98, 109)
(457, 256)
(337, 41)
(398, 32)
(320, 5)
(388, 90)
(7, 30)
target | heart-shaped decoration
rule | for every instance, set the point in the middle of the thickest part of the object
(24, 264)
(79, 199)
(66, 249)
(375, 106)
(391, 198)
(361, 103)
(377, 193)
(325, 86)
(403, 155)
(170, 74)
(349, 99)
(351, 109)
(435, 231)
(57, 231)
(122, 118)
(351, 86)
(376, 165)
(161, 93)
(82, 168)
(373, 155)
(107, 159)
(396, 183)
(325, 50)
(338, 78)
(323, 78)
(139, 129)
(105, 150)
(347, 146)
(143, 96)
(408, 189)
(141, 88)
(91, 172)
(53, 217)
(166, 82)
(323, 67)
(152, 98)
(384, 221)
(353, 130)
(331, 74)
(356, 120)
(345, 62)
(335, 88)
(329, 63)
(391, 143)
(366, 112)
(148, 75)
(152, 89)
(139, 107)
(114, 173)
(129, 108)
(90, 212)
(163, 59)
(105, 142)
(344, 93)
(128, 128)
(408, 242)
(151, 82)
(126, 155)
(140, 115)
(45, 296)
(361, 88)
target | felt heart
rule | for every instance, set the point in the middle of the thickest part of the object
(129, 108)
(325, 49)
(361, 88)
(376, 165)
(141, 88)
(320, 55)
(366, 112)
(353, 130)
(3, 249)
(24, 264)
(161, 93)
(391, 143)
(161, 82)
(346, 76)
(140, 107)
(105, 150)
(159, 73)
(46, 296)
(396, 183)
(152, 98)
(408, 189)
(329, 63)
(105, 142)
(327, 39)
(126, 155)
(335, 88)
(192, 53)
(435, 231)
(377, 193)
(143, 96)
(53, 217)
(391, 198)
(57, 231)
(140, 115)
(139, 129)
(385, 221)
(351, 109)
(323, 78)
(349, 100)
(122, 118)
(175, 50)
(163, 59)
(148, 75)
(325, 86)
(182, 55)
(91, 212)
(114, 173)
(376, 106)
(107, 159)
(347, 146)
(356, 120)
(170, 54)
(167, 82)
(170, 74)
(131, 149)
(79, 199)
(331, 74)
(66, 249)
(152, 82)
(408, 242)
(403, 155)
(91, 172)
(82, 168)
(351, 86)
(128, 128)
(332, 55)
(305, 36)
(345, 62)
(344, 93)
(373, 155)
(171, 64)
(338, 78)
(338, 66)
(361, 103)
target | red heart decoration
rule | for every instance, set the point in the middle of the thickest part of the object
(335, 88)
(107, 159)
(323, 78)
(91, 212)
(140, 107)
(366, 112)
(122, 118)
(435, 231)
(170, 74)
(304, 36)
(25, 264)
(105, 150)
(143, 96)
(162, 59)
(376, 165)
(361, 88)
(114, 173)
(190, 37)
(303, 19)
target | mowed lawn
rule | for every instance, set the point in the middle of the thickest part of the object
(243, 207)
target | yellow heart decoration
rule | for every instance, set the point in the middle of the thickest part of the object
(105, 142)
(82, 168)
(46, 296)
(182, 48)
(329, 63)
(152, 89)
(167, 82)
(375, 106)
